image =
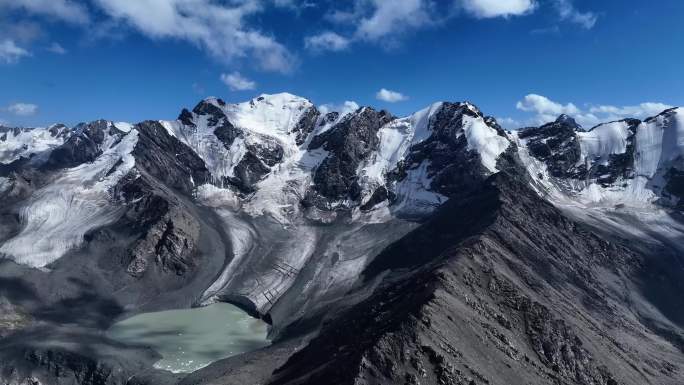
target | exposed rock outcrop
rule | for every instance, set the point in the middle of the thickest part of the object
(349, 143)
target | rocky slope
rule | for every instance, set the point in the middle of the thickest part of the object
(516, 295)
(432, 248)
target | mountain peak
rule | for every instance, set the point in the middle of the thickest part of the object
(283, 100)
(567, 120)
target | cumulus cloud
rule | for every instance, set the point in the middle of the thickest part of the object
(643, 110)
(344, 108)
(542, 105)
(326, 41)
(22, 109)
(66, 10)
(391, 17)
(498, 8)
(546, 110)
(218, 27)
(57, 49)
(236, 82)
(21, 32)
(380, 21)
(568, 12)
(390, 96)
(385, 21)
(509, 123)
(10, 52)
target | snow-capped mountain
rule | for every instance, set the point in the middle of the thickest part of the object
(280, 150)
(626, 162)
(297, 213)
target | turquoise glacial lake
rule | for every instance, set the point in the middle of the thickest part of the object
(190, 339)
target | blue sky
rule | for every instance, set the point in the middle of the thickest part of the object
(522, 61)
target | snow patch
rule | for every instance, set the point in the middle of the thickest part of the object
(414, 198)
(123, 126)
(485, 141)
(602, 141)
(270, 115)
(342, 110)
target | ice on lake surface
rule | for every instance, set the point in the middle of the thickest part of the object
(190, 339)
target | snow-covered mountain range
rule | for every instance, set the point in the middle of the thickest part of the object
(281, 206)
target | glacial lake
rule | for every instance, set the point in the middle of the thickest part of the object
(190, 339)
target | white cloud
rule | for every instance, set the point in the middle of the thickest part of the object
(384, 21)
(643, 110)
(543, 105)
(390, 96)
(57, 49)
(567, 11)
(546, 110)
(498, 8)
(344, 108)
(326, 41)
(218, 27)
(10, 52)
(377, 21)
(22, 109)
(509, 123)
(66, 10)
(237, 82)
(391, 17)
(22, 32)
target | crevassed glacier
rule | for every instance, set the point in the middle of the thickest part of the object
(56, 217)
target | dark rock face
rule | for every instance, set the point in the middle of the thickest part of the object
(167, 234)
(268, 150)
(330, 117)
(206, 107)
(675, 185)
(453, 169)
(488, 303)
(84, 146)
(260, 156)
(618, 165)
(555, 144)
(306, 125)
(167, 159)
(185, 117)
(59, 131)
(380, 194)
(568, 121)
(226, 133)
(349, 143)
(248, 172)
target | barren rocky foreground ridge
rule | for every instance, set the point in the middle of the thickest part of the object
(437, 248)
